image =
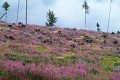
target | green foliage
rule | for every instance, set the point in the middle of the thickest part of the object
(53, 58)
(37, 77)
(3, 74)
(98, 27)
(110, 60)
(14, 48)
(89, 60)
(88, 39)
(86, 7)
(118, 32)
(13, 76)
(93, 78)
(37, 59)
(26, 59)
(13, 57)
(66, 78)
(74, 59)
(51, 18)
(42, 48)
(6, 6)
(117, 64)
(93, 71)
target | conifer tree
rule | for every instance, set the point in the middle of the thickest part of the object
(6, 6)
(86, 7)
(98, 27)
(51, 19)
(118, 32)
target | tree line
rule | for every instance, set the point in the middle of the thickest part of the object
(51, 19)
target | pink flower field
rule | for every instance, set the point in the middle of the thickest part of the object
(36, 52)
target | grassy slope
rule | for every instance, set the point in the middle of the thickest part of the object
(51, 53)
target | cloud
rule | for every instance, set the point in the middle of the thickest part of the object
(48, 2)
(69, 13)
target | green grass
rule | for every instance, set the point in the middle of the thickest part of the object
(88, 60)
(110, 60)
(93, 71)
(14, 48)
(66, 78)
(26, 59)
(41, 48)
(37, 59)
(13, 57)
(3, 74)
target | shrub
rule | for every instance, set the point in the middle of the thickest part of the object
(47, 40)
(89, 60)
(13, 57)
(37, 59)
(93, 71)
(88, 39)
(117, 64)
(42, 48)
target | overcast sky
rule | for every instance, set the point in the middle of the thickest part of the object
(69, 12)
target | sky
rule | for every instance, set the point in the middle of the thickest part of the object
(69, 12)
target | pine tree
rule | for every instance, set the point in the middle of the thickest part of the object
(51, 18)
(118, 32)
(86, 7)
(6, 6)
(98, 27)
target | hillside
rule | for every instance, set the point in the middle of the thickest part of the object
(35, 52)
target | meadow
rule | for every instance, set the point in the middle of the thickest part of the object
(36, 52)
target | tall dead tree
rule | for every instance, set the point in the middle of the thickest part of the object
(26, 12)
(18, 11)
(109, 16)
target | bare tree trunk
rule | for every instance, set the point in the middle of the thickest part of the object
(85, 19)
(6, 15)
(109, 17)
(3, 15)
(17, 12)
(26, 12)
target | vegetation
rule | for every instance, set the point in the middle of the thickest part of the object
(53, 56)
(98, 27)
(6, 8)
(86, 7)
(51, 18)
(35, 52)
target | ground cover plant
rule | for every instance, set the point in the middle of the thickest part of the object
(35, 52)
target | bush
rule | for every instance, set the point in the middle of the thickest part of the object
(89, 60)
(13, 57)
(37, 59)
(42, 48)
(88, 39)
(117, 64)
(93, 71)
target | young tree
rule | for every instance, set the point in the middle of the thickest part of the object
(6, 6)
(109, 16)
(86, 7)
(118, 32)
(98, 27)
(51, 18)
